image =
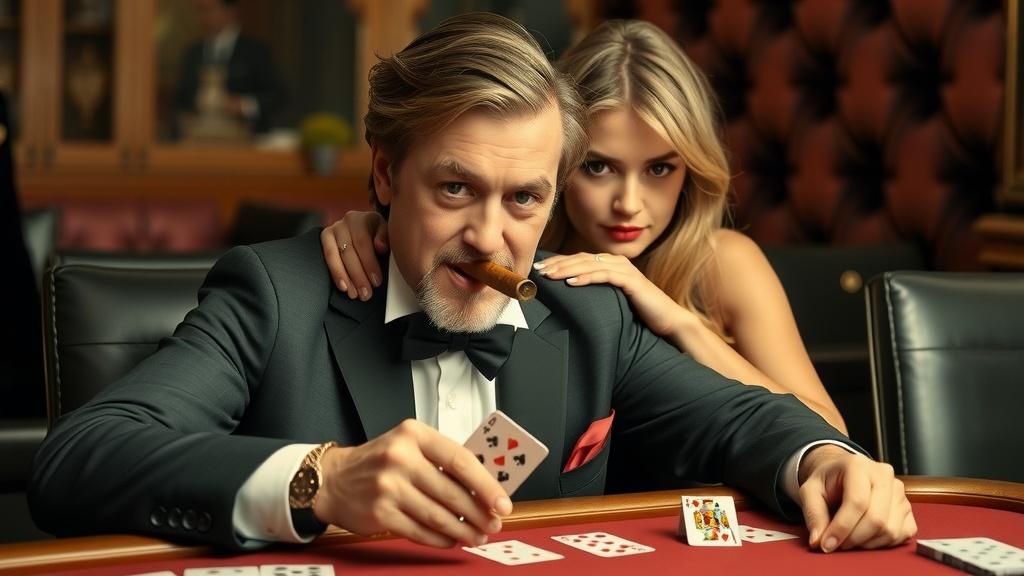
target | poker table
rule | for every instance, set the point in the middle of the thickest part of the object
(944, 508)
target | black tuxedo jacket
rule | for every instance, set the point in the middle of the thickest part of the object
(274, 354)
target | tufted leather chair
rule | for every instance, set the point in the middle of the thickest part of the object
(852, 121)
(947, 354)
(105, 313)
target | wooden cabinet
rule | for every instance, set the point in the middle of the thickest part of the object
(88, 108)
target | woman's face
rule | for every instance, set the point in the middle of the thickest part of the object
(624, 195)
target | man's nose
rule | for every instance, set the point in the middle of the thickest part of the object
(485, 229)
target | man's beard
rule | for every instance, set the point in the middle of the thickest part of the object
(476, 312)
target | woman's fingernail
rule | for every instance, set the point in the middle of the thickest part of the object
(364, 293)
(572, 280)
(538, 265)
(375, 280)
(343, 286)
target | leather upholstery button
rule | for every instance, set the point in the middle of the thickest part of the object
(158, 516)
(189, 519)
(174, 518)
(204, 523)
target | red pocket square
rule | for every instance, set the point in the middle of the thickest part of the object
(590, 444)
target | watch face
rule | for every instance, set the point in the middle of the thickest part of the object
(303, 487)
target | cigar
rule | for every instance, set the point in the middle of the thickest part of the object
(501, 279)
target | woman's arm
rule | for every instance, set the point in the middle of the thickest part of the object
(754, 306)
(768, 351)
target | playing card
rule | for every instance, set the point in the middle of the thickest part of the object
(708, 521)
(975, 555)
(297, 570)
(223, 571)
(761, 535)
(508, 452)
(603, 544)
(513, 553)
(161, 573)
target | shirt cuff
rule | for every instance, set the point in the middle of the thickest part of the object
(791, 469)
(261, 512)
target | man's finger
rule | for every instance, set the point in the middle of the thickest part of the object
(815, 508)
(856, 501)
(878, 518)
(402, 525)
(436, 518)
(440, 487)
(467, 470)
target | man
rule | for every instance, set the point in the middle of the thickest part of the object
(254, 92)
(471, 133)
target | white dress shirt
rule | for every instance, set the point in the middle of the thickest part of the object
(450, 395)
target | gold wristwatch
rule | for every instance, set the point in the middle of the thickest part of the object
(303, 489)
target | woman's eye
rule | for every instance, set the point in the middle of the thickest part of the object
(661, 169)
(596, 167)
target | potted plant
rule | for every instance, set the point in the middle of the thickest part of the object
(323, 135)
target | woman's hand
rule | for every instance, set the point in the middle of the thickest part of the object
(350, 248)
(663, 315)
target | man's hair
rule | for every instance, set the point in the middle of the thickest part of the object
(477, 61)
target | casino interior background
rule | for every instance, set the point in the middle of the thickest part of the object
(864, 136)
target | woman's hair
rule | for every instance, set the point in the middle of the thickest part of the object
(477, 61)
(631, 64)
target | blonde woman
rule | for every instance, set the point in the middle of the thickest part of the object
(644, 213)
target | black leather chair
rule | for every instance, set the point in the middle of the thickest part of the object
(824, 285)
(947, 357)
(105, 312)
(256, 223)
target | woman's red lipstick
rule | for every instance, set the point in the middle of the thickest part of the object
(624, 233)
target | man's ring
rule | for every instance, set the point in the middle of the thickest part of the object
(344, 246)
(597, 258)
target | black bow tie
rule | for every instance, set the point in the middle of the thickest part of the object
(488, 351)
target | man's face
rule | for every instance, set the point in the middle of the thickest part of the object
(481, 189)
(214, 16)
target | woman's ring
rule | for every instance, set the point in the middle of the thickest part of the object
(344, 246)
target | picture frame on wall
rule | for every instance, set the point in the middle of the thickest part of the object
(1011, 193)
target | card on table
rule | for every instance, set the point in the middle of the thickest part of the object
(513, 553)
(223, 571)
(603, 544)
(975, 555)
(708, 521)
(508, 451)
(760, 535)
(297, 570)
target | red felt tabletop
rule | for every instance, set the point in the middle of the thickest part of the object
(672, 555)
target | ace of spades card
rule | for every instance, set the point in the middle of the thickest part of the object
(708, 521)
(506, 450)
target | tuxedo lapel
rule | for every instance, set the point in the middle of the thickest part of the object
(364, 348)
(532, 391)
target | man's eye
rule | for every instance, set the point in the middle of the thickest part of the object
(661, 169)
(455, 188)
(596, 167)
(525, 198)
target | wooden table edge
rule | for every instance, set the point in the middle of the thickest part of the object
(79, 553)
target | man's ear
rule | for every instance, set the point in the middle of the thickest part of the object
(380, 165)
